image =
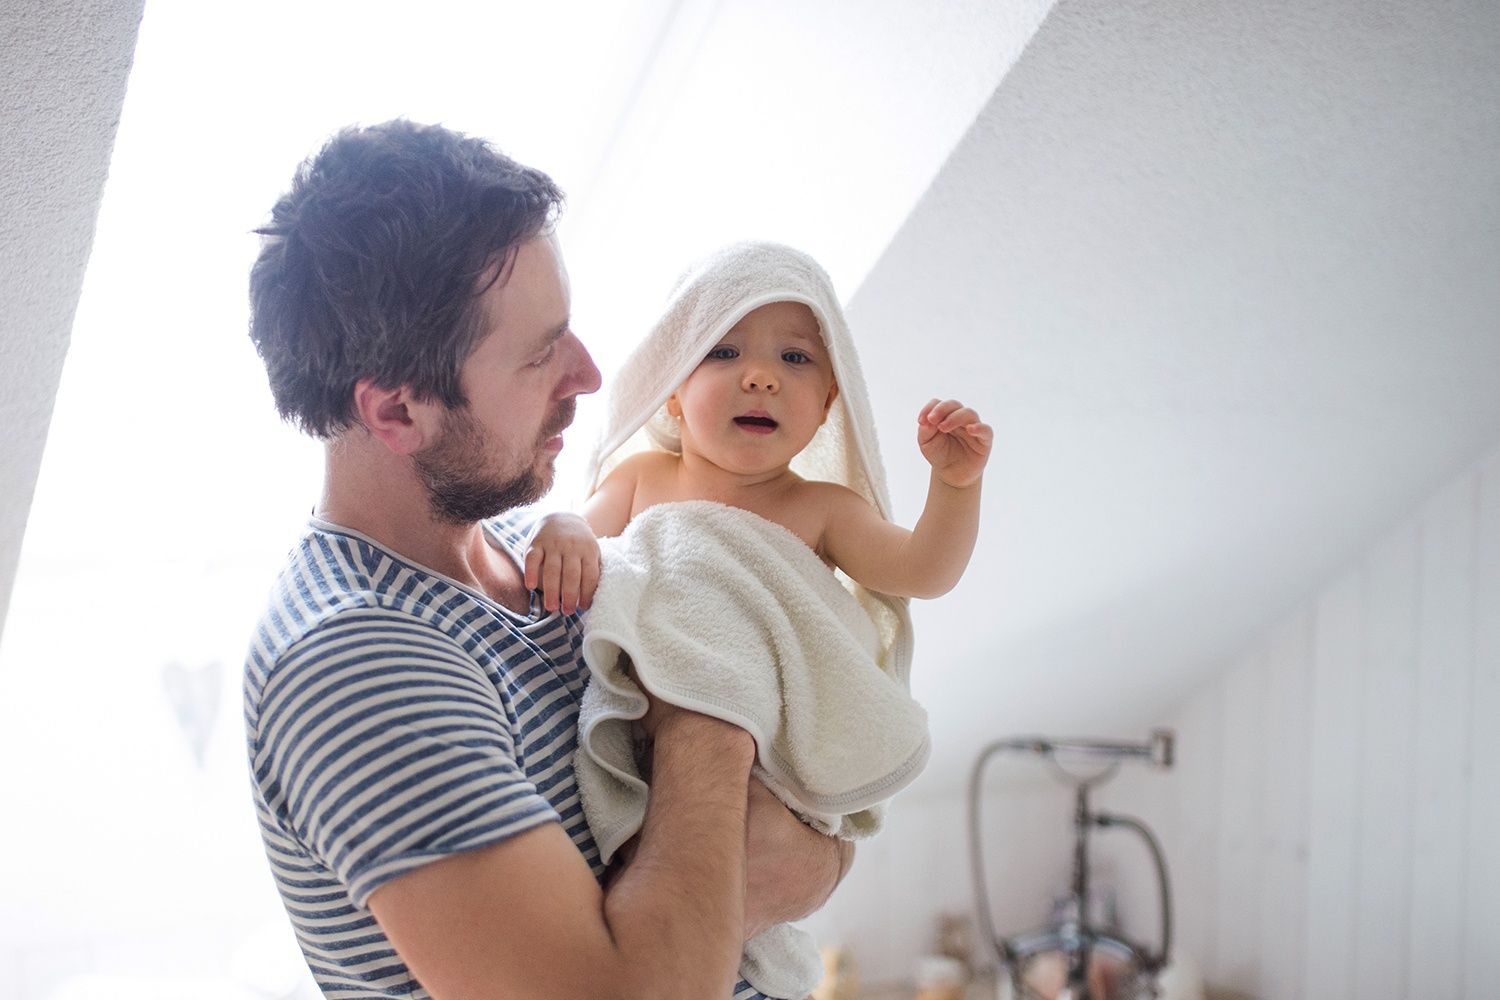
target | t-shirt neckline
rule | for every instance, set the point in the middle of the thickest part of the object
(491, 535)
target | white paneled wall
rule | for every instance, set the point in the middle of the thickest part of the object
(1481, 915)
(1334, 824)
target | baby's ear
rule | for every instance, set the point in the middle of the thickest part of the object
(674, 408)
(833, 394)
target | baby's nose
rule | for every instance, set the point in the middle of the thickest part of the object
(757, 380)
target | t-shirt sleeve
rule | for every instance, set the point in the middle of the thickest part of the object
(385, 747)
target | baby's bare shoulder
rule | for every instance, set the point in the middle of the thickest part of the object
(650, 475)
(644, 463)
(833, 497)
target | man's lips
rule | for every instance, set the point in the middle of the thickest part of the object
(552, 436)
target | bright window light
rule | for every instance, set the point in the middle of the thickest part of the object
(170, 492)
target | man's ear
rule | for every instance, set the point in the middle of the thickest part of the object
(395, 418)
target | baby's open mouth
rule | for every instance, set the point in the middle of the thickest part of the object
(749, 421)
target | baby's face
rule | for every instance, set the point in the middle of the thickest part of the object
(761, 394)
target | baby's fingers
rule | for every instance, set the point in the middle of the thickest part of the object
(931, 416)
(552, 572)
(937, 412)
(979, 437)
(959, 416)
(572, 575)
(533, 568)
(588, 583)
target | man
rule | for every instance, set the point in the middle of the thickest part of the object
(411, 710)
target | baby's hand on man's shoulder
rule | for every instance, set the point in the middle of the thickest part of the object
(562, 560)
(954, 441)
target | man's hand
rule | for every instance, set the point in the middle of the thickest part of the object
(792, 868)
(954, 441)
(563, 561)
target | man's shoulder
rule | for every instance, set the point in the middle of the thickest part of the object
(334, 576)
(329, 572)
(327, 576)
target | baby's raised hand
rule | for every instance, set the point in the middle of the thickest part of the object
(954, 441)
(563, 561)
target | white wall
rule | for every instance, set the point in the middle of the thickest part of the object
(1334, 826)
(1333, 822)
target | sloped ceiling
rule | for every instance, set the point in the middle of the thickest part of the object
(1226, 278)
(63, 67)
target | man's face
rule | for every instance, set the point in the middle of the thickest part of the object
(521, 382)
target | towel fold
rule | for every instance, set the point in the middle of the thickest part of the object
(720, 611)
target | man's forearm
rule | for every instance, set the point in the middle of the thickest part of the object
(681, 900)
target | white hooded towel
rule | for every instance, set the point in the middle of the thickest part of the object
(723, 612)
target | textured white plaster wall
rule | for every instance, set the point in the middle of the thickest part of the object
(1223, 277)
(63, 67)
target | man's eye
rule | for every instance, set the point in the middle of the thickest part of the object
(723, 353)
(546, 355)
(795, 358)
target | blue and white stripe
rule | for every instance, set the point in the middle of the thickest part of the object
(395, 716)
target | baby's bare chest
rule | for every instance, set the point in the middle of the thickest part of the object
(795, 511)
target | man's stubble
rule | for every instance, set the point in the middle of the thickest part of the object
(459, 471)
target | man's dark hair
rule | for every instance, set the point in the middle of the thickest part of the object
(373, 263)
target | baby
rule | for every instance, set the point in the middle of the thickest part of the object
(739, 470)
(751, 406)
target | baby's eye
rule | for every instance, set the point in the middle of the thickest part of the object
(795, 357)
(723, 353)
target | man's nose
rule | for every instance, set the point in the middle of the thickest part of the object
(584, 376)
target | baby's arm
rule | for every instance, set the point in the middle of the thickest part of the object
(562, 557)
(607, 509)
(928, 560)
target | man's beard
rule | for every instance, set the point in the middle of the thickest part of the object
(458, 471)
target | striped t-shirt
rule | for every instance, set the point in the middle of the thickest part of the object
(395, 716)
